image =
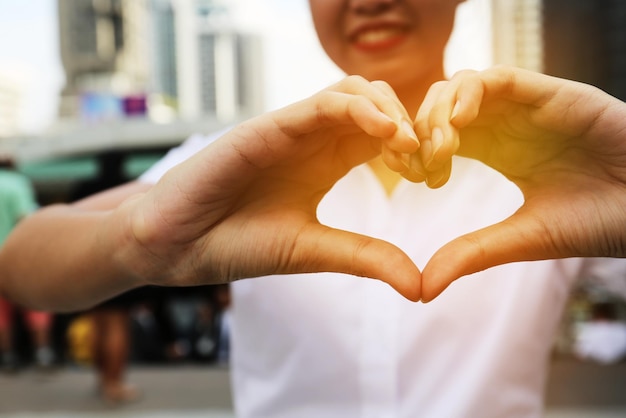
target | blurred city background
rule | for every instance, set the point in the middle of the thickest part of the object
(95, 91)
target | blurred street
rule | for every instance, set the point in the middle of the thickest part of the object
(579, 389)
(575, 390)
(168, 391)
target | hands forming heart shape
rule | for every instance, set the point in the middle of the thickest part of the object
(246, 205)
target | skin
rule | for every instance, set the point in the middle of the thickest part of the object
(562, 143)
(400, 42)
(243, 207)
(512, 120)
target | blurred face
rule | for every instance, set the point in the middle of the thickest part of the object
(399, 41)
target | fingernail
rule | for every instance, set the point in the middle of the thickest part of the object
(427, 152)
(407, 128)
(436, 142)
(437, 138)
(415, 164)
(406, 159)
(434, 180)
(386, 116)
(455, 110)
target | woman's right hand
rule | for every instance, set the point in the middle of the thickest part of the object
(246, 205)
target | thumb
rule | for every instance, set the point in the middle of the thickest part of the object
(327, 249)
(518, 238)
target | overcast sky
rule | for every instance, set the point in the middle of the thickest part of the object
(29, 54)
(295, 64)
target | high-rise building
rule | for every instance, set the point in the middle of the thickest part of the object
(230, 69)
(219, 65)
(186, 56)
(103, 48)
(163, 41)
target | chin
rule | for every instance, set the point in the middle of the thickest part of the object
(393, 71)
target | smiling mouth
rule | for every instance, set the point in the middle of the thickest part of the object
(379, 38)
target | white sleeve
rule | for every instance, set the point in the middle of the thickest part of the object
(177, 155)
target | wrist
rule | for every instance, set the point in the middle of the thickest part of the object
(128, 255)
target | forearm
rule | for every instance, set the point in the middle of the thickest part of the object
(63, 258)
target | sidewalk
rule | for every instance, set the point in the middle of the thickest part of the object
(189, 391)
(575, 390)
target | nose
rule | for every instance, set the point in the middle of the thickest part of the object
(371, 7)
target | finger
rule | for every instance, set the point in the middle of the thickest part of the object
(408, 165)
(415, 170)
(421, 123)
(384, 87)
(397, 143)
(468, 101)
(361, 111)
(444, 139)
(549, 93)
(393, 160)
(438, 142)
(330, 108)
(378, 91)
(320, 248)
(510, 84)
(516, 239)
(436, 179)
(386, 100)
(463, 85)
(518, 85)
(443, 144)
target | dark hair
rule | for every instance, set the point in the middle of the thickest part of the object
(7, 162)
(603, 310)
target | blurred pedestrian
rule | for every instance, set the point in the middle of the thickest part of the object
(224, 313)
(111, 337)
(18, 200)
(602, 338)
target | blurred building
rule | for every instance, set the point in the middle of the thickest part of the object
(141, 77)
(163, 35)
(184, 57)
(219, 64)
(10, 100)
(583, 40)
(517, 33)
(104, 49)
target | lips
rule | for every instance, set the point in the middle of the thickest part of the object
(378, 37)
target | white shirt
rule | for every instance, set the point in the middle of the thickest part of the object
(331, 345)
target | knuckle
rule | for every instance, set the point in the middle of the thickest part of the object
(464, 74)
(353, 81)
(381, 84)
(439, 85)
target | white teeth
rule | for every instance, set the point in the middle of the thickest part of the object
(377, 35)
